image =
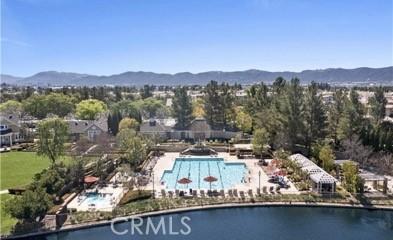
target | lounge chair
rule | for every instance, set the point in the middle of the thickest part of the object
(202, 193)
(170, 194)
(278, 189)
(271, 189)
(258, 191)
(222, 193)
(250, 193)
(215, 193)
(194, 193)
(264, 190)
(177, 192)
(242, 196)
(230, 193)
(163, 193)
(235, 193)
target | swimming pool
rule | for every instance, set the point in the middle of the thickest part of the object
(228, 174)
(90, 201)
(97, 199)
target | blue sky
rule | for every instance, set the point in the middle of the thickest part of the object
(108, 37)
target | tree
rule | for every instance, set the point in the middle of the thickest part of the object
(134, 146)
(352, 120)
(243, 120)
(118, 94)
(316, 120)
(350, 176)
(40, 106)
(77, 172)
(182, 108)
(198, 110)
(128, 123)
(146, 92)
(60, 104)
(257, 98)
(275, 123)
(29, 206)
(52, 134)
(150, 107)
(260, 141)
(213, 109)
(336, 116)
(128, 108)
(356, 151)
(90, 109)
(326, 157)
(100, 168)
(114, 119)
(295, 113)
(218, 104)
(378, 105)
(226, 103)
(11, 106)
(52, 180)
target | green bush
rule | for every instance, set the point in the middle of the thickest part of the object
(135, 195)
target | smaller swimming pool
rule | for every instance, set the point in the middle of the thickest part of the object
(97, 199)
(228, 174)
(90, 201)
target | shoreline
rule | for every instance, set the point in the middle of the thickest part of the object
(86, 225)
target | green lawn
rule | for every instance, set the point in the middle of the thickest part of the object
(18, 168)
(7, 222)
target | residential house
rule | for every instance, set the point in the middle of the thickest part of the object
(10, 129)
(90, 129)
(198, 129)
(161, 128)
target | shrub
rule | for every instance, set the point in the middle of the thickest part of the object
(133, 195)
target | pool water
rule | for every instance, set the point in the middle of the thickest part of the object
(97, 199)
(228, 174)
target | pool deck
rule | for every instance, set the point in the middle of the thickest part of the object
(167, 161)
(112, 195)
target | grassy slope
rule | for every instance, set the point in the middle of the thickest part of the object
(6, 222)
(18, 168)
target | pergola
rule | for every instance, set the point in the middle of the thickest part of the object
(375, 179)
(243, 150)
(323, 182)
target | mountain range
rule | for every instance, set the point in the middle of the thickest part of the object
(334, 76)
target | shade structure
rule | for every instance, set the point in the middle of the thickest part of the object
(91, 179)
(184, 181)
(210, 179)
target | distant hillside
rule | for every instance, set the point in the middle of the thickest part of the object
(336, 76)
(9, 79)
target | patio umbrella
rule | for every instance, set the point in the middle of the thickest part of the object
(210, 179)
(184, 181)
(90, 179)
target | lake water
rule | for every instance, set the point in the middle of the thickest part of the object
(277, 223)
